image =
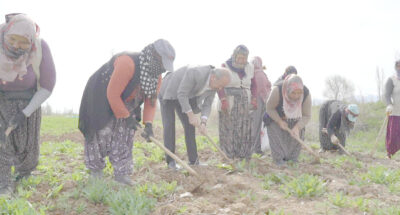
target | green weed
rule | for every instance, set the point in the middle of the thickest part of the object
(304, 186)
(274, 179)
(17, 206)
(128, 202)
(97, 190)
(157, 190)
(339, 199)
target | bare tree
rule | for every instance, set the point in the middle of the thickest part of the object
(47, 109)
(380, 78)
(339, 88)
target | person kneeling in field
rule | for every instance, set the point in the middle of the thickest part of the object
(335, 122)
(108, 115)
(188, 91)
(289, 110)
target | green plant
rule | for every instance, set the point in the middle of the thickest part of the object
(157, 190)
(225, 166)
(96, 190)
(304, 186)
(81, 208)
(360, 203)
(128, 202)
(55, 191)
(345, 162)
(339, 199)
(109, 170)
(17, 206)
(182, 210)
(249, 194)
(280, 212)
(273, 179)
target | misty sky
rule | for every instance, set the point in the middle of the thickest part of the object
(320, 38)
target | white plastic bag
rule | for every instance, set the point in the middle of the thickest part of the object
(264, 138)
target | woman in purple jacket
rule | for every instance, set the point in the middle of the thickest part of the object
(27, 78)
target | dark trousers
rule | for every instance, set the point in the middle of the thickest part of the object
(168, 109)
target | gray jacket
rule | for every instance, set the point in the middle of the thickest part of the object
(187, 85)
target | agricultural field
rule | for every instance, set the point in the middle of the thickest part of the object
(365, 183)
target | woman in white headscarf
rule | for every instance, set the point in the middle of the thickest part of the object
(289, 110)
(27, 78)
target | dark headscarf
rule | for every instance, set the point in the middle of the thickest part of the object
(233, 65)
(150, 68)
(288, 71)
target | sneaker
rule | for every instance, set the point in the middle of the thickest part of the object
(96, 174)
(172, 165)
(124, 179)
(5, 191)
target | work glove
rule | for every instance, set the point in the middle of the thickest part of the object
(202, 127)
(148, 131)
(389, 109)
(17, 120)
(132, 123)
(334, 139)
(138, 114)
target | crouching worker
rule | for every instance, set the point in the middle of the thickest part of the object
(27, 78)
(108, 114)
(188, 91)
(336, 119)
(289, 110)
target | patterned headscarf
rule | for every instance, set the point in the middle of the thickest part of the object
(235, 66)
(292, 108)
(14, 61)
(150, 68)
(263, 85)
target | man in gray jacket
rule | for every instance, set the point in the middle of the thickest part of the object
(188, 91)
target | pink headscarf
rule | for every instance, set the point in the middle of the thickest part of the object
(263, 85)
(11, 68)
(292, 108)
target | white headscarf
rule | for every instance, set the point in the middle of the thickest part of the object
(10, 67)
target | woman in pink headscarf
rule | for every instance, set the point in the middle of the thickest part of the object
(261, 90)
(289, 110)
(27, 78)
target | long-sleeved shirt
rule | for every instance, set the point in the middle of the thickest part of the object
(261, 87)
(273, 102)
(47, 77)
(392, 94)
(124, 69)
(334, 122)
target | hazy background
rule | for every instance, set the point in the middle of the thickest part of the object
(320, 38)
